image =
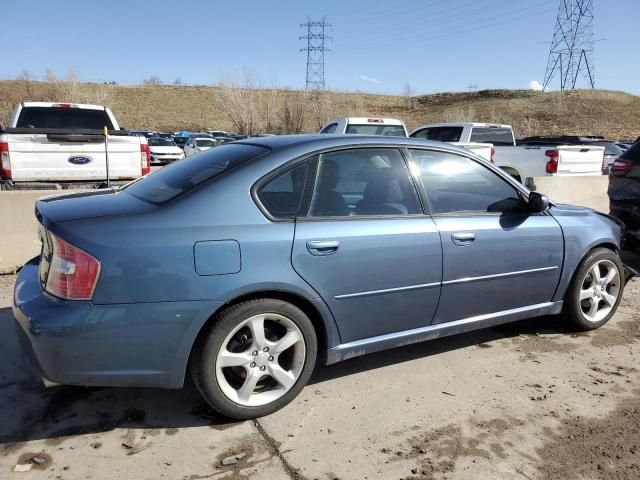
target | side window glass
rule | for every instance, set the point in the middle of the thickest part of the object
(457, 184)
(330, 128)
(424, 133)
(367, 181)
(285, 196)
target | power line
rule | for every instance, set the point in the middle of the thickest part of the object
(315, 49)
(571, 51)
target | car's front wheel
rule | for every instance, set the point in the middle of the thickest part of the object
(255, 358)
(596, 290)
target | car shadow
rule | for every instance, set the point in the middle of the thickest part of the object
(29, 411)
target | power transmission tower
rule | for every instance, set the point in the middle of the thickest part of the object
(315, 49)
(571, 52)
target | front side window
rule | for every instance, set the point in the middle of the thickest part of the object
(367, 181)
(455, 185)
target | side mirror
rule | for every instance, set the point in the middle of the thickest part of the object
(538, 203)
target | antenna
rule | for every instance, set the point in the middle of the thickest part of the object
(315, 49)
(571, 51)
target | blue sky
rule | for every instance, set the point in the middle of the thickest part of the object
(378, 46)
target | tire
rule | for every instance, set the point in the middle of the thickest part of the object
(229, 358)
(605, 295)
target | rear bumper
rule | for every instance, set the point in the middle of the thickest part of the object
(79, 343)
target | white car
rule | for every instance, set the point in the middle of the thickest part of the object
(366, 126)
(196, 145)
(164, 150)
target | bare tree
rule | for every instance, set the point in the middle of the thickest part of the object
(152, 80)
(409, 95)
(178, 81)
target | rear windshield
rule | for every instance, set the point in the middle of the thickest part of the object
(373, 129)
(184, 175)
(206, 142)
(497, 136)
(161, 142)
(52, 117)
(180, 140)
(632, 153)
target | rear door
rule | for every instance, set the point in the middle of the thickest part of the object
(363, 243)
(496, 257)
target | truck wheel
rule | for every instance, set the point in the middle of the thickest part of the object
(256, 357)
(596, 290)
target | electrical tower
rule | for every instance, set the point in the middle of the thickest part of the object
(315, 49)
(571, 52)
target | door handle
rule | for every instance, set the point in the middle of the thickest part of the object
(322, 247)
(463, 238)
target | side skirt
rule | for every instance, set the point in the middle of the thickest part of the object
(357, 348)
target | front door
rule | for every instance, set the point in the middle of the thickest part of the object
(366, 247)
(496, 256)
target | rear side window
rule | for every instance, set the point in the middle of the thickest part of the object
(377, 129)
(287, 195)
(632, 153)
(440, 134)
(184, 175)
(497, 136)
(330, 128)
(45, 117)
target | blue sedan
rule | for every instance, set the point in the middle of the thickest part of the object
(244, 265)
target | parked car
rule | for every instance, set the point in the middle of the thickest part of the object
(196, 145)
(180, 141)
(611, 153)
(239, 137)
(164, 150)
(523, 161)
(218, 133)
(142, 133)
(222, 140)
(366, 126)
(267, 254)
(624, 192)
(49, 145)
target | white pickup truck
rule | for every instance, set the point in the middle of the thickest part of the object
(389, 127)
(62, 145)
(523, 161)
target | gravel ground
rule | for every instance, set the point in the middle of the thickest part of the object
(530, 400)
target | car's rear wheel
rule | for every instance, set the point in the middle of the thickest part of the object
(256, 357)
(596, 290)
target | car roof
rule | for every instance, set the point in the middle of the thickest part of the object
(321, 141)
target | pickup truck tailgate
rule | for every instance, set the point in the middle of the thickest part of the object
(580, 160)
(72, 157)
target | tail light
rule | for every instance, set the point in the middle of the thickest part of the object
(552, 164)
(145, 159)
(493, 154)
(73, 273)
(5, 162)
(621, 166)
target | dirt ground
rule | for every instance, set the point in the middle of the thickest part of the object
(529, 400)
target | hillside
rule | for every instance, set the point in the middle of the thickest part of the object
(594, 112)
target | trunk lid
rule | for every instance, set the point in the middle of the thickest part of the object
(579, 159)
(100, 203)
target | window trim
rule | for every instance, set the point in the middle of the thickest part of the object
(470, 156)
(294, 161)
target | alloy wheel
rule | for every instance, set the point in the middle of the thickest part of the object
(599, 290)
(260, 360)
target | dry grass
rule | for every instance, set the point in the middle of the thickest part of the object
(158, 107)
